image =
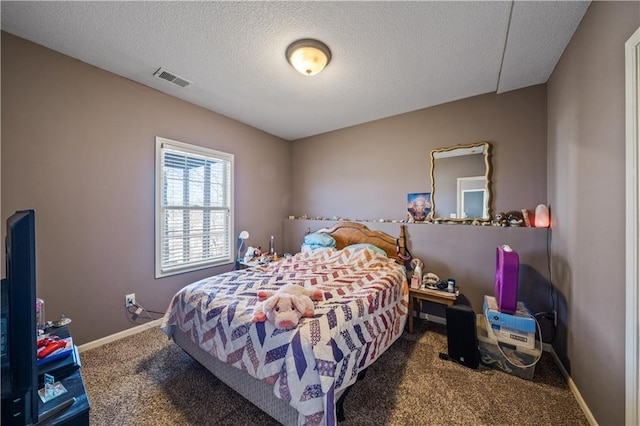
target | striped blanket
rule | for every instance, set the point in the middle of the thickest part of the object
(363, 312)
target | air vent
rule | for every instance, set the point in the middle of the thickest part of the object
(171, 77)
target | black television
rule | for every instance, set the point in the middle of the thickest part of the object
(18, 323)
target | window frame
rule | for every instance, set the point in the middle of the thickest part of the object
(189, 149)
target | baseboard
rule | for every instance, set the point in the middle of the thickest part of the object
(574, 389)
(120, 335)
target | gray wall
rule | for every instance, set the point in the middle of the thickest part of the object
(586, 186)
(78, 147)
(366, 171)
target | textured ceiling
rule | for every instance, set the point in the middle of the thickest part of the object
(387, 57)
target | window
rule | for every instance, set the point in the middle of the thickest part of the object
(194, 201)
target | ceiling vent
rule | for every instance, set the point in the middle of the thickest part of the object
(171, 77)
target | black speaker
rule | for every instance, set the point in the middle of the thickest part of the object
(462, 337)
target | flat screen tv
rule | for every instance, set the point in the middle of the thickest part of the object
(18, 323)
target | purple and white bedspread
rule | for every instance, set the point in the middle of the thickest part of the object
(364, 312)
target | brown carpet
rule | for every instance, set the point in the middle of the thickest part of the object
(148, 380)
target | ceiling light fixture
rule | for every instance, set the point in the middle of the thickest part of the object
(308, 56)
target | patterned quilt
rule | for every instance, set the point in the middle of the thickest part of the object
(364, 312)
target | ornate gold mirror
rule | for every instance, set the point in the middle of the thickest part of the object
(461, 183)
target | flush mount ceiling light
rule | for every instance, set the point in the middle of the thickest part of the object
(308, 56)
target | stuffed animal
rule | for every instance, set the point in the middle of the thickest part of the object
(515, 218)
(286, 306)
(430, 280)
(501, 219)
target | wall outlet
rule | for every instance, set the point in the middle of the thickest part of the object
(129, 300)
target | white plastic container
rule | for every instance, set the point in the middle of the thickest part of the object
(41, 321)
(519, 361)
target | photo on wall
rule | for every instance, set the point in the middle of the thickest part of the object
(419, 206)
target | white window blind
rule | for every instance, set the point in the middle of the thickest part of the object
(193, 207)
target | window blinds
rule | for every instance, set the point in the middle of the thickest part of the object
(195, 207)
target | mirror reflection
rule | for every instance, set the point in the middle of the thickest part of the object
(461, 182)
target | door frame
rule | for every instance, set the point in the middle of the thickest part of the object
(460, 183)
(632, 148)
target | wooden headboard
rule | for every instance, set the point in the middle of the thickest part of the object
(347, 233)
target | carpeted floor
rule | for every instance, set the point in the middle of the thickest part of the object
(148, 380)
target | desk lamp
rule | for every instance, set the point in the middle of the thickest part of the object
(243, 236)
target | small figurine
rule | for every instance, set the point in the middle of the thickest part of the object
(515, 218)
(500, 220)
(430, 280)
(417, 266)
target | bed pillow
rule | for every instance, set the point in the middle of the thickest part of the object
(369, 246)
(308, 248)
(319, 240)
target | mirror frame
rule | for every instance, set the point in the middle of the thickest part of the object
(488, 173)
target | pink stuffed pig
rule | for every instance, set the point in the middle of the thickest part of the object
(286, 306)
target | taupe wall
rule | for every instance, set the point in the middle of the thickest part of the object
(586, 181)
(366, 171)
(78, 147)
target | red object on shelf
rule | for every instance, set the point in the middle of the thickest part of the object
(52, 347)
(46, 340)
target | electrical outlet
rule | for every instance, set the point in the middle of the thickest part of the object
(129, 300)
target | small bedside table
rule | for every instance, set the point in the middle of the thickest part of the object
(241, 264)
(54, 412)
(436, 296)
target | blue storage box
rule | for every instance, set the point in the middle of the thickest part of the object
(521, 320)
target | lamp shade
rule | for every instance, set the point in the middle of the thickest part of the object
(241, 237)
(308, 56)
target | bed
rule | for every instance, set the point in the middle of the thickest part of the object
(297, 376)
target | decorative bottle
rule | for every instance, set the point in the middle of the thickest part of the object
(40, 318)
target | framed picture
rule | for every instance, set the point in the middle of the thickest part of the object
(419, 206)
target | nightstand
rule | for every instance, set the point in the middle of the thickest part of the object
(241, 264)
(436, 296)
(71, 408)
